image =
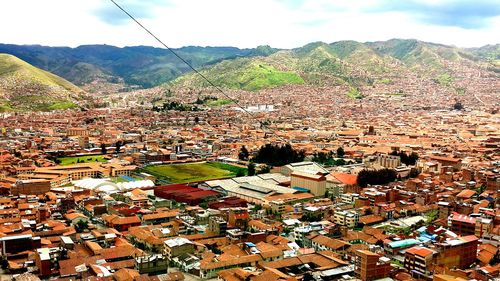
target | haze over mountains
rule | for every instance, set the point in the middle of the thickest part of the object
(349, 63)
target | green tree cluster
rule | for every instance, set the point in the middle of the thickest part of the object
(173, 105)
(278, 155)
(373, 177)
(405, 158)
(327, 159)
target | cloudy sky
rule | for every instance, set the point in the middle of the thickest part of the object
(249, 23)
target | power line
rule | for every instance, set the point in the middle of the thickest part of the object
(181, 58)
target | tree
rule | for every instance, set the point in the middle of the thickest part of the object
(118, 146)
(81, 225)
(251, 169)
(412, 158)
(371, 130)
(340, 152)
(240, 173)
(458, 106)
(104, 150)
(266, 169)
(243, 155)
(414, 172)
(374, 177)
(405, 158)
(278, 155)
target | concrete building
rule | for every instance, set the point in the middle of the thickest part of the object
(483, 227)
(313, 183)
(388, 161)
(177, 246)
(304, 167)
(349, 218)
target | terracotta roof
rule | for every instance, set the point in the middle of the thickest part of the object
(370, 219)
(126, 274)
(333, 244)
(160, 215)
(466, 193)
(213, 264)
(117, 220)
(420, 251)
(344, 178)
(120, 252)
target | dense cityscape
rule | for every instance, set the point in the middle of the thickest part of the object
(342, 161)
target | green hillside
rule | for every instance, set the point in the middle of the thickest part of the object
(245, 74)
(343, 63)
(25, 87)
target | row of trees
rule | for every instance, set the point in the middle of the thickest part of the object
(173, 105)
(405, 158)
(118, 146)
(374, 177)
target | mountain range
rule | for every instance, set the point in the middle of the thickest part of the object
(349, 63)
(140, 65)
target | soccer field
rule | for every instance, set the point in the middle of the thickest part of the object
(183, 173)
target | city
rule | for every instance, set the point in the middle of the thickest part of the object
(343, 161)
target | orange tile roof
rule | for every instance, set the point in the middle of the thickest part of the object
(344, 178)
(420, 251)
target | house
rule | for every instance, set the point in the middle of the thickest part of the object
(323, 243)
(160, 217)
(121, 223)
(177, 246)
(75, 218)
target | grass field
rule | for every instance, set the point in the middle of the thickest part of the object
(83, 159)
(183, 173)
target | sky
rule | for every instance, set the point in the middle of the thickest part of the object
(248, 23)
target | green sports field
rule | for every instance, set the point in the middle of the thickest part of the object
(81, 159)
(183, 173)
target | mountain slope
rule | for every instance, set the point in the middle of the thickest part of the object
(349, 63)
(25, 87)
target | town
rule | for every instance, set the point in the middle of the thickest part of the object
(136, 194)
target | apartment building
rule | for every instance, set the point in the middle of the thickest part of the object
(371, 266)
(419, 262)
(347, 218)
